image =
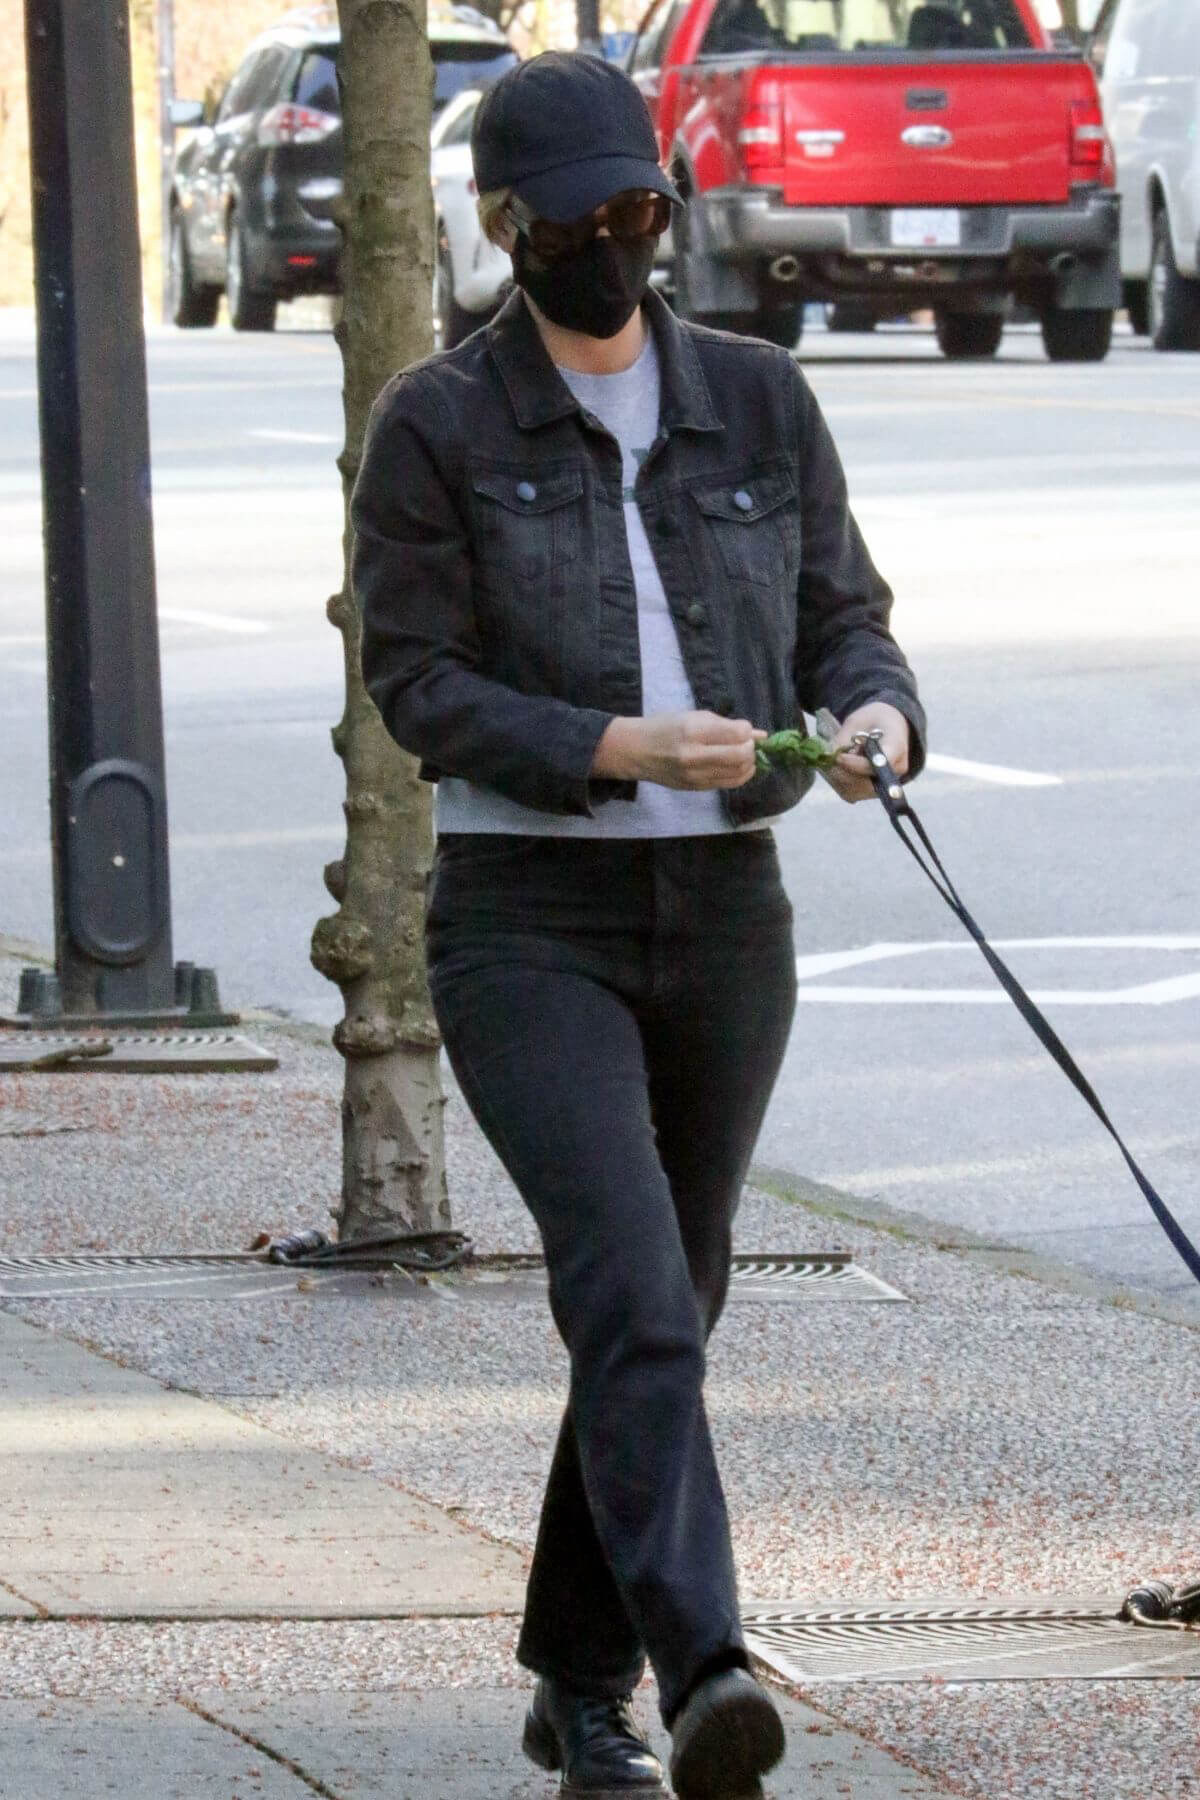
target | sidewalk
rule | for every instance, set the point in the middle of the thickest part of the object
(269, 1539)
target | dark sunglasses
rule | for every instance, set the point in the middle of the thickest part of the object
(631, 218)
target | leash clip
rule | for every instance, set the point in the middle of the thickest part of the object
(885, 779)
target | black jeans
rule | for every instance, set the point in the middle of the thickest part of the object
(616, 1012)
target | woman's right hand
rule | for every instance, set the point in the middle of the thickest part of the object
(678, 750)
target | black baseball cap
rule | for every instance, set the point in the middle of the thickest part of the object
(566, 132)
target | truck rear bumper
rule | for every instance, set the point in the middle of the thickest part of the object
(741, 226)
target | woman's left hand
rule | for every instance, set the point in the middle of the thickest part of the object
(851, 776)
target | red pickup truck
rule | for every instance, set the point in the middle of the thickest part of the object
(888, 154)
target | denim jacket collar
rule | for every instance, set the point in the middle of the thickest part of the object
(539, 395)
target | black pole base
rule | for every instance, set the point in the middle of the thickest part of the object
(198, 1004)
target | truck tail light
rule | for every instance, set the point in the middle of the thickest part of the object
(761, 135)
(1090, 150)
(288, 124)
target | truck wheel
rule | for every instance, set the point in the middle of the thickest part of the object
(969, 336)
(850, 315)
(1173, 311)
(1136, 295)
(188, 304)
(249, 308)
(1077, 336)
(782, 325)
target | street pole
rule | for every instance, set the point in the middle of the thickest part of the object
(108, 811)
(166, 137)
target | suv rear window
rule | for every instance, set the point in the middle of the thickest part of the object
(825, 26)
(457, 65)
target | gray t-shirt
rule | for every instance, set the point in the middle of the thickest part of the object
(626, 405)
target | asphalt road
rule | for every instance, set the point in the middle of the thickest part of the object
(1038, 524)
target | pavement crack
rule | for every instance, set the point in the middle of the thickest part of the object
(312, 1782)
(43, 1612)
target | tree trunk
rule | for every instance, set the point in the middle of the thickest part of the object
(393, 1169)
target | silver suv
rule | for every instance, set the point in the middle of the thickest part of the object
(1147, 53)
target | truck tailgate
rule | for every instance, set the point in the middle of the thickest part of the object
(959, 131)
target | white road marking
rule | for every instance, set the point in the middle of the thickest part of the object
(293, 437)
(1167, 991)
(181, 615)
(979, 771)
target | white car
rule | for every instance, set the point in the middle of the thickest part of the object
(471, 274)
(1148, 53)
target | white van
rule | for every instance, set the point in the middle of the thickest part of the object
(1147, 53)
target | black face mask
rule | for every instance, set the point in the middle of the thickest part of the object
(596, 291)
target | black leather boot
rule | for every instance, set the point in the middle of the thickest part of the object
(593, 1740)
(725, 1736)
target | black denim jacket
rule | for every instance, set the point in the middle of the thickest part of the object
(491, 564)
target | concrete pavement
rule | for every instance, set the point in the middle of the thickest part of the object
(269, 1539)
(128, 1500)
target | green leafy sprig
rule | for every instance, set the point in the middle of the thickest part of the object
(786, 749)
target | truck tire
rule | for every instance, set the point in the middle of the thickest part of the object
(250, 309)
(1136, 296)
(1082, 336)
(189, 305)
(1173, 310)
(782, 325)
(969, 336)
(850, 315)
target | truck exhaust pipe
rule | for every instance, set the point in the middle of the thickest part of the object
(785, 268)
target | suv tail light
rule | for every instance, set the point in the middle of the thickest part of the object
(761, 135)
(288, 124)
(1090, 150)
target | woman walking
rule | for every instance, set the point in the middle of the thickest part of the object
(599, 554)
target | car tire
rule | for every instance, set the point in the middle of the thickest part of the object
(250, 309)
(1081, 336)
(454, 322)
(850, 315)
(189, 305)
(969, 337)
(1136, 296)
(1173, 309)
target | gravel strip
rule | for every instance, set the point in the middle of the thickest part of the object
(1109, 1740)
(94, 1658)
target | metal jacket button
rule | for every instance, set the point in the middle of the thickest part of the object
(526, 491)
(743, 501)
(695, 613)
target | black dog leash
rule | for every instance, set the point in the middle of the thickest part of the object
(895, 804)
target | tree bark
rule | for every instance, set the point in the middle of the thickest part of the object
(393, 1167)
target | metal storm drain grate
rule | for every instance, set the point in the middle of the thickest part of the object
(148, 1277)
(833, 1276)
(157, 1053)
(1056, 1643)
(236, 1277)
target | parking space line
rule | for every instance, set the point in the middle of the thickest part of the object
(994, 772)
(1167, 991)
(179, 615)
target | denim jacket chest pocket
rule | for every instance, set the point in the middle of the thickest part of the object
(755, 526)
(528, 524)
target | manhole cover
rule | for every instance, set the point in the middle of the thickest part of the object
(150, 1053)
(1086, 1642)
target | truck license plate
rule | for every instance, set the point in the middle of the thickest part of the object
(926, 228)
